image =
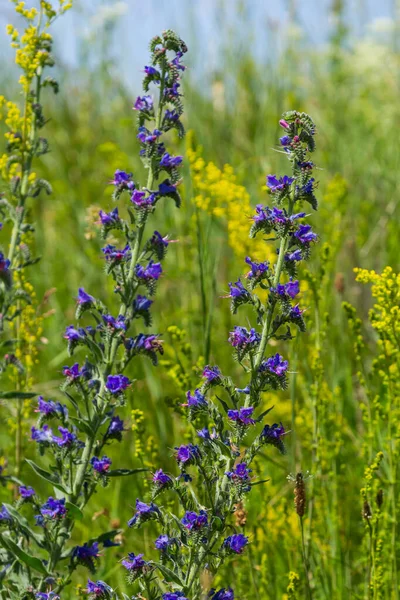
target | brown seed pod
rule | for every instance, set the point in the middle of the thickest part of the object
(300, 495)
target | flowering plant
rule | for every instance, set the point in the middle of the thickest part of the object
(75, 437)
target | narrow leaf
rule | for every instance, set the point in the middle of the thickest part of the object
(50, 477)
(124, 472)
(30, 561)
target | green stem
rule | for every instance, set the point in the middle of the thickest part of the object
(305, 560)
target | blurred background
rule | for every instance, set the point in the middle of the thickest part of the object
(337, 60)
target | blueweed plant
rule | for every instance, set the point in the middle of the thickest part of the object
(215, 469)
(37, 557)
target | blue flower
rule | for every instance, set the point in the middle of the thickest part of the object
(83, 297)
(161, 479)
(115, 428)
(5, 516)
(121, 178)
(235, 543)
(242, 416)
(26, 491)
(305, 235)
(277, 185)
(143, 103)
(239, 473)
(174, 596)
(74, 335)
(116, 384)
(222, 594)
(237, 290)
(42, 436)
(86, 554)
(110, 218)
(212, 373)
(118, 323)
(196, 400)
(272, 434)
(53, 508)
(151, 272)
(285, 140)
(144, 512)
(257, 269)
(99, 589)
(163, 542)
(241, 338)
(187, 453)
(193, 521)
(73, 372)
(140, 198)
(101, 465)
(153, 73)
(168, 161)
(111, 252)
(275, 364)
(295, 256)
(134, 562)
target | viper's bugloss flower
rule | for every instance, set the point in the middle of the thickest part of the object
(187, 453)
(100, 465)
(148, 343)
(110, 218)
(241, 338)
(67, 438)
(83, 297)
(53, 508)
(163, 542)
(242, 416)
(171, 115)
(204, 434)
(284, 124)
(307, 164)
(308, 187)
(47, 596)
(99, 589)
(4, 263)
(173, 90)
(275, 364)
(166, 187)
(222, 594)
(141, 303)
(193, 521)
(111, 252)
(140, 198)
(5, 516)
(240, 472)
(296, 312)
(74, 335)
(235, 543)
(161, 479)
(148, 137)
(116, 384)
(73, 372)
(122, 178)
(195, 400)
(26, 491)
(158, 240)
(174, 596)
(50, 408)
(285, 140)
(115, 323)
(212, 373)
(237, 290)
(144, 512)
(86, 554)
(152, 71)
(151, 272)
(277, 185)
(167, 161)
(305, 235)
(115, 428)
(44, 435)
(294, 256)
(256, 269)
(143, 103)
(272, 434)
(134, 562)
(291, 289)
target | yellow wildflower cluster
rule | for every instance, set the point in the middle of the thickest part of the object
(293, 587)
(218, 193)
(369, 474)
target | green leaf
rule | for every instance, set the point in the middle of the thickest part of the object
(74, 511)
(24, 525)
(259, 482)
(226, 451)
(108, 535)
(124, 472)
(260, 418)
(50, 477)
(14, 395)
(169, 575)
(82, 425)
(30, 561)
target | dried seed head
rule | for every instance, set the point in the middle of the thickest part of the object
(300, 495)
(379, 498)
(366, 511)
(240, 514)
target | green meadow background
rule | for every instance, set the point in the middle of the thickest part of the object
(350, 86)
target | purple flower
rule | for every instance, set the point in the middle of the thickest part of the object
(113, 253)
(67, 438)
(296, 312)
(143, 103)
(211, 373)
(146, 343)
(152, 72)
(257, 269)
(172, 91)
(308, 164)
(284, 124)
(308, 187)
(144, 512)
(222, 594)
(166, 187)
(4, 514)
(140, 199)
(193, 521)
(273, 435)
(275, 364)
(53, 509)
(151, 272)
(44, 435)
(116, 384)
(74, 335)
(115, 428)
(235, 543)
(4, 263)
(239, 473)
(174, 596)
(177, 63)
(110, 218)
(26, 491)
(241, 338)
(141, 303)
(159, 241)
(99, 589)
(101, 465)
(167, 161)
(187, 454)
(47, 408)
(277, 185)
(86, 554)
(135, 562)
(146, 137)
(83, 297)
(118, 323)
(291, 288)
(204, 434)
(72, 372)
(171, 115)
(295, 256)
(196, 400)
(161, 479)
(305, 235)
(237, 290)
(47, 596)
(122, 178)
(162, 542)
(242, 416)
(285, 140)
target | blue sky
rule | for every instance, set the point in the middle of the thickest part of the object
(208, 25)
